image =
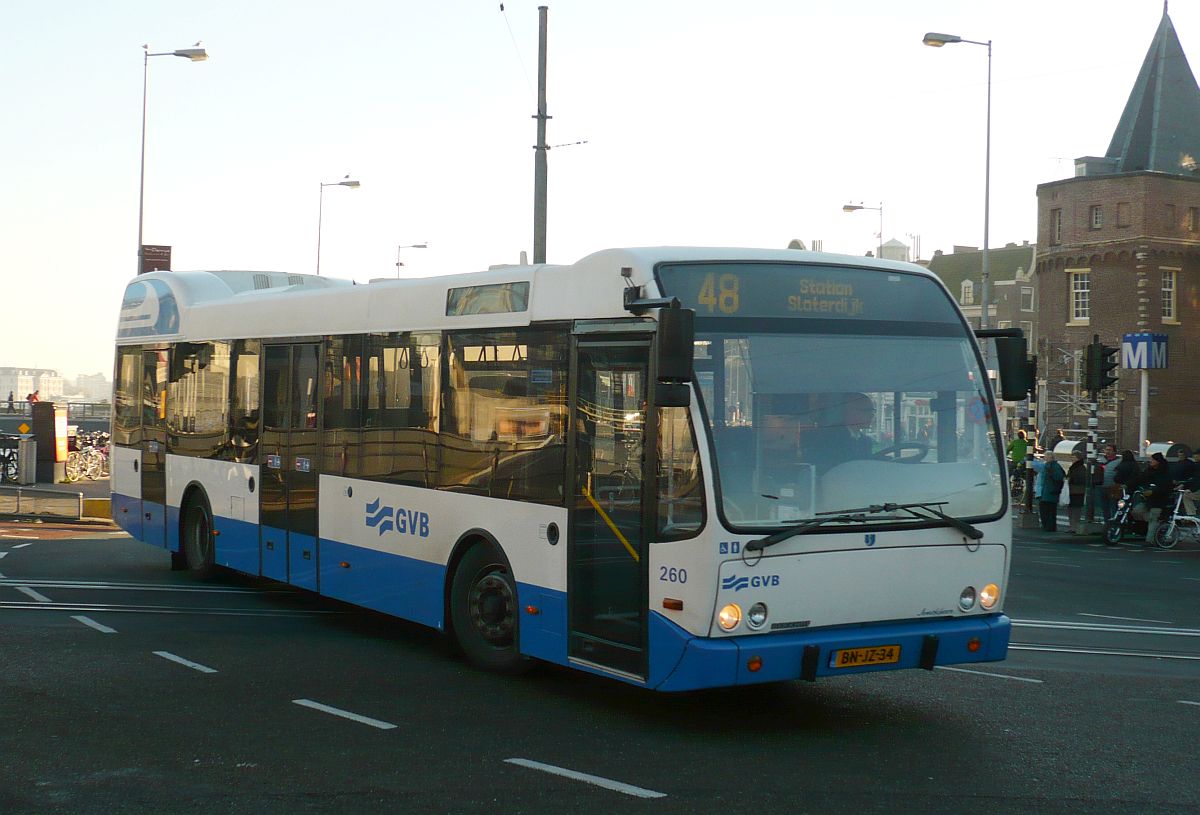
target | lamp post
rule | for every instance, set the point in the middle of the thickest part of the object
(409, 246)
(345, 182)
(195, 54)
(937, 41)
(857, 207)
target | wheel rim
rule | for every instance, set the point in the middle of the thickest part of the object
(491, 606)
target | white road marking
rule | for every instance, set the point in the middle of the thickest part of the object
(195, 666)
(22, 545)
(1056, 563)
(345, 714)
(1108, 627)
(90, 623)
(1129, 619)
(28, 592)
(3, 554)
(985, 673)
(615, 786)
(1099, 652)
(1186, 702)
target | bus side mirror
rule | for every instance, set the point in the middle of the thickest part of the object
(676, 344)
(1016, 379)
(675, 348)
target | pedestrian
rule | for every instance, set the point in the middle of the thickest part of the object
(1017, 448)
(1052, 480)
(1077, 487)
(1156, 487)
(33, 398)
(1105, 496)
(10, 402)
(1193, 485)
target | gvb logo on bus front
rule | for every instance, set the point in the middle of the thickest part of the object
(759, 581)
(403, 521)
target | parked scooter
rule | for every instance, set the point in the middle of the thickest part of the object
(1126, 521)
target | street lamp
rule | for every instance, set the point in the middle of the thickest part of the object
(857, 207)
(937, 41)
(409, 246)
(195, 54)
(345, 182)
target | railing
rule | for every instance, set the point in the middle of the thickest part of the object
(75, 410)
(30, 501)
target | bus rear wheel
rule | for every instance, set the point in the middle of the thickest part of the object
(198, 540)
(483, 611)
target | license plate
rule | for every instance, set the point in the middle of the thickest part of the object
(857, 657)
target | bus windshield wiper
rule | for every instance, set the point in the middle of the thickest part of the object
(919, 510)
(808, 524)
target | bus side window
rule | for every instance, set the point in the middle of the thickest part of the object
(244, 407)
(680, 488)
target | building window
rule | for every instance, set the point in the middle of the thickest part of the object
(1027, 327)
(968, 293)
(1171, 224)
(1193, 219)
(1027, 298)
(1081, 296)
(1055, 226)
(1096, 217)
(1123, 214)
(1169, 278)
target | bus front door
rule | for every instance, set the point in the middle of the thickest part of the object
(606, 544)
(289, 455)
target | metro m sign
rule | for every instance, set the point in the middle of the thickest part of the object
(1144, 351)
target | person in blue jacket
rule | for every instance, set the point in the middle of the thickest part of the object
(1053, 477)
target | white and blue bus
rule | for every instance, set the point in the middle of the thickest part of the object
(682, 468)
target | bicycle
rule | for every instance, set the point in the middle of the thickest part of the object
(1178, 524)
(8, 459)
(1016, 485)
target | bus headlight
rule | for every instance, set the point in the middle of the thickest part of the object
(756, 617)
(730, 616)
(989, 595)
(966, 600)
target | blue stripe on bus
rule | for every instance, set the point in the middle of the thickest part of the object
(394, 584)
(127, 512)
(236, 545)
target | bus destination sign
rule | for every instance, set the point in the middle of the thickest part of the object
(758, 290)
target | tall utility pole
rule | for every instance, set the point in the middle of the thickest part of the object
(539, 162)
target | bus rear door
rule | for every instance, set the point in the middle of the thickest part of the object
(289, 455)
(154, 447)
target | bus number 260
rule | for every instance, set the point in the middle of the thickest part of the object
(672, 574)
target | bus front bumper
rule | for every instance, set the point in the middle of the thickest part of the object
(827, 652)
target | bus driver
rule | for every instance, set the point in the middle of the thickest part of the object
(842, 434)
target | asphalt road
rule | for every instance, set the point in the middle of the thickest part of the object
(125, 687)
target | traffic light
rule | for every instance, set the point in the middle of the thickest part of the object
(1099, 360)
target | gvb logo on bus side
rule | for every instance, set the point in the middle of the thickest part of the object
(758, 581)
(402, 521)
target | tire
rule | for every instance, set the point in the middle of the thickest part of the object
(196, 540)
(1113, 531)
(74, 467)
(1167, 535)
(484, 611)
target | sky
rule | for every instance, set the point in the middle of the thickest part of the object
(703, 123)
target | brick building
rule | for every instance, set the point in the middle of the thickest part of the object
(1118, 251)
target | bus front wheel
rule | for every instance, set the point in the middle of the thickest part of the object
(483, 611)
(197, 542)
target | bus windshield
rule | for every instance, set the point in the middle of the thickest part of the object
(877, 399)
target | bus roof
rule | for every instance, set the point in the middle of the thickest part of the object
(201, 305)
